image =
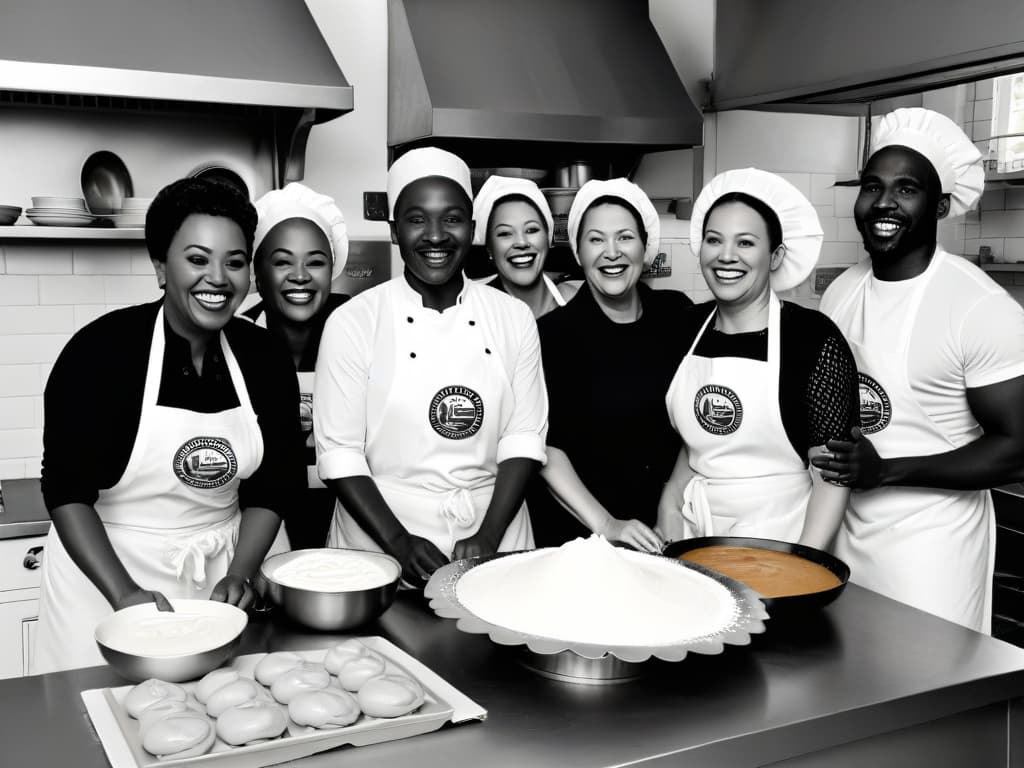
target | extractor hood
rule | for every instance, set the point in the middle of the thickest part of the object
(533, 76)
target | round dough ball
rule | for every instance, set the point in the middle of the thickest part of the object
(252, 721)
(356, 671)
(305, 677)
(181, 735)
(149, 692)
(390, 696)
(211, 681)
(165, 708)
(273, 665)
(328, 708)
(231, 695)
(343, 652)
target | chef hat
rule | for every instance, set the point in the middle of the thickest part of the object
(423, 162)
(801, 230)
(297, 201)
(625, 190)
(494, 190)
(954, 156)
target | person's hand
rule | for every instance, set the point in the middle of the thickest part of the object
(853, 463)
(234, 590)
(419, 558)
(474, 546)
(634, 533)
(141, 596)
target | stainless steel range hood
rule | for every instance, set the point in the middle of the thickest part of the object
(565, 73)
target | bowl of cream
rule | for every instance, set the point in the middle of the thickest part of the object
(331, 589)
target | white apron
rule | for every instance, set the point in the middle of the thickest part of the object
(749, 481)
(931, 548)
(172, 518)
(441, 420)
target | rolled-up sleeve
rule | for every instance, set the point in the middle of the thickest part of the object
(525, 434)
(340, 391)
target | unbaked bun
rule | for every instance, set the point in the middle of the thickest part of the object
(308, 676)
(149, 692)
(231, 695)
(359, 669)
(390, 696)
(211, 681)
(165, 708)
(273, 665)
(181, 735)
(252, 721)
(328, 708)
(343, 652)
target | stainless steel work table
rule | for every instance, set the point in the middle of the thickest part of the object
(868, 681)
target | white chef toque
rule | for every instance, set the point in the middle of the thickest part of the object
(625, 190)
(801, 231)
(954, 156)
(494, 190)
(297, 201)
(423, 162)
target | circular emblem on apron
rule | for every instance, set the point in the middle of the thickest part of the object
(205, 462)
(306, 412)
(456, 412)
(718, 409)
(875, 410)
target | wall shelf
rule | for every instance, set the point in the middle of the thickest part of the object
(1014, 267)
(35, 232)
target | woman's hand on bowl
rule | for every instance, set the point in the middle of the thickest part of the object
(479, 544)
(234, 590)
(140, 596)
(419, 558)
(634, 533)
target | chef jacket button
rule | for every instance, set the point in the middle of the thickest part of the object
(487, 350)
(185, 371)
(412, 354)
(472, 322)
(409, 319)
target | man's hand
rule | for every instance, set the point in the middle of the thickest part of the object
(419, 558)
(141, 596)
(853, 463)
(477, 545)
(234, 590)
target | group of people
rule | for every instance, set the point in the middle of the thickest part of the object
(455, 418)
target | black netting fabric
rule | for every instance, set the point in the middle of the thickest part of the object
(831, 398)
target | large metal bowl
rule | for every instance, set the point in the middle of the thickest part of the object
(121, 651)
(329, 611)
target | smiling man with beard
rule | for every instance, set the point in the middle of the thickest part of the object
(940, 351)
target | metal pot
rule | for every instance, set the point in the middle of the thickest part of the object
(574, 174)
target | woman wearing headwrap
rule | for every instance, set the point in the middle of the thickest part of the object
(171, 449)
(430, 402)
(513, 220)
(609, 355)
(300, 246)
(940, 348)
(765, 383)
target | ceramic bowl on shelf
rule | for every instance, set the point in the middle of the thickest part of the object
(9, 214)
(123, 220)
(135, 204)
(65, 203)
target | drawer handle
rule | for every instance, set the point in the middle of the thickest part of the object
(33, 558)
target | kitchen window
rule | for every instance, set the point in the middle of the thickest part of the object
(1006, 148)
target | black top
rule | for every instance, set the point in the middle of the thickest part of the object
(606, 388)
(93, 402)
(308, 361)
(818, 391)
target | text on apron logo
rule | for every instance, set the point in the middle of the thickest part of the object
(718, 409)
(205, 462)
(875, 409)
(306, 412)
(456, 412)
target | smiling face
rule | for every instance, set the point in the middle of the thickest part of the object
(610, 249)
(293, 270)
(899, 204)
(433, 229)
(517, 240)
(736, 257)
(205, 275)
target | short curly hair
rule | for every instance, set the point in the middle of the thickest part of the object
(184, 197)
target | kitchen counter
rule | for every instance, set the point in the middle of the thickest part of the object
(868, 681)
(23, 513)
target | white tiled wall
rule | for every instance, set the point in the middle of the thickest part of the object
(48, 290)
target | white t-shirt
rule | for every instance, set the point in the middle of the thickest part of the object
(968, 333)
(357, 336)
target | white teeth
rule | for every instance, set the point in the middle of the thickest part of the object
(885, 228)
(729, 274)
(613, 271)
(213, 299)
(523, 261)
(298, 297)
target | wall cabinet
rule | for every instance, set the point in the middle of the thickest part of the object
(19, 602)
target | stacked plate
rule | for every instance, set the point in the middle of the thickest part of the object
(59, 212)
(132, 212)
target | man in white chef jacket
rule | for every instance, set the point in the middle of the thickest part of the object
(940, 354)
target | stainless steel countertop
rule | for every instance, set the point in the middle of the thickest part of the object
(865, 665)
(24, 513)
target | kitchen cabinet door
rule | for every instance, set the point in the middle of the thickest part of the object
(17, 622)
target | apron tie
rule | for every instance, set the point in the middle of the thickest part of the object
(696, 510)
(188, 554)
(457, 510)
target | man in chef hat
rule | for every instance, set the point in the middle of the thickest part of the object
(940, 351)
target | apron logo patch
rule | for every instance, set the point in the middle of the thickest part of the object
(456, 412)
(306, 412)
(875, 409)
(718, 409)
(205, 462)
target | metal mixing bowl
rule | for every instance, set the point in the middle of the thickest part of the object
(329, 611)
(121, 650)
